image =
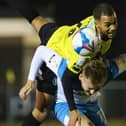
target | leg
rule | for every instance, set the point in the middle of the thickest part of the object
(44, 96)
(40, 110)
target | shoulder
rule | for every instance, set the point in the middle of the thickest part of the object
(87, 19)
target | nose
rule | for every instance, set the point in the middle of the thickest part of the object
(92, 92)
(113, 27)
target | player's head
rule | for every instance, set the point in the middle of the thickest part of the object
(105, 20)
(93, 76)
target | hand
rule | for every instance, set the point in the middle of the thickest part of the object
(85, 121)
(26, 89)
(74, 117)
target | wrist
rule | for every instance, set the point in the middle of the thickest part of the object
(73, 111)
(72, 106)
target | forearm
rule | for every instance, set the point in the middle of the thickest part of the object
(68, 90)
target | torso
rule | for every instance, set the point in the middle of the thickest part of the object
(61, 42)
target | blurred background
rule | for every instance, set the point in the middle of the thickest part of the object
(18, 41)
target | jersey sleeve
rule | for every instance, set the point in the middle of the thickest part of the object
(44, 54)
(36, 63)
(67, 87)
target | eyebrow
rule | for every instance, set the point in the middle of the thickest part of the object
(107, 22)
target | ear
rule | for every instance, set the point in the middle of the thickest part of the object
(97, 23)
(80, 76)
(97, 27)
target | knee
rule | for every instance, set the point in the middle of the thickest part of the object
(40, 115)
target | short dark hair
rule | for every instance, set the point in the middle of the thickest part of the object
(103, 9)
(96, 70)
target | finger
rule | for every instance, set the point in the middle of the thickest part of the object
(28, 91)
(22, 93)
(72, 123)
(79, 121)
(91, 123)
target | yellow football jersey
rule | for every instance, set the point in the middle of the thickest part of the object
(61, 42)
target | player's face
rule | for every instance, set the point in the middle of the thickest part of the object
(88, 86)
(107, 26)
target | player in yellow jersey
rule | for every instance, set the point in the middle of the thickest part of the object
(103, 21)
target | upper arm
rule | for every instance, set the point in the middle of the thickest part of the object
(38, 22)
